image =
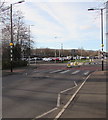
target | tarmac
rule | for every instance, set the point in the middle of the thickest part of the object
(90, 101)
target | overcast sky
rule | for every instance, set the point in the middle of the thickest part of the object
(66, 22)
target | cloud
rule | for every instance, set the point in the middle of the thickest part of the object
(85, 27)
(57, 22)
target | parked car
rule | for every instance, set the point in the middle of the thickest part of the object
(47, 59)
(55, 58)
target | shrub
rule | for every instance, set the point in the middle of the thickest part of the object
(6, 64)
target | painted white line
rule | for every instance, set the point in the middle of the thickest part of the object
(75, 83)
(58, 100)
(75, 72)
(67, 104)
(58, 103)
(65, 71)
(59, 95)
(55, 71)
(26, 74)
(67, 89)
(86, 73)
(45, 113)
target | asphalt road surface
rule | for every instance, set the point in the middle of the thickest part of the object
(31, 93)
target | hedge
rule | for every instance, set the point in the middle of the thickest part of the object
(6, 64)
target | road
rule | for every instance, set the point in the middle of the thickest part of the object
(34, 92)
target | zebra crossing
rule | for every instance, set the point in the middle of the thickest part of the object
(86, 73)
(64, 71)
(75, 72)
(55, 71)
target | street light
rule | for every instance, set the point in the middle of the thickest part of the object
(11, 43)
(102, 45)
(29, 43)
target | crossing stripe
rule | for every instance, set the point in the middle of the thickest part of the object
(86, 73)
(75, 72)
(55, 71)
(65, 71)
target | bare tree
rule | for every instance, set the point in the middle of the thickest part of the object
(2, 5)
(20, 35)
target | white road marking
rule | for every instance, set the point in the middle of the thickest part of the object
(86, 73)
(58, 100)
(67, 89)
(45, 113)
(67, 104)
(58, 104)
(42, 71)
(59, 95)
(75, 83)
(55, 71)
(75, 72)
(26, 74)
(65, 71)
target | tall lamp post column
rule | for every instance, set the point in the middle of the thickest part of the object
(29, 43)
(102, 44)
(11, 43)
(102, 38)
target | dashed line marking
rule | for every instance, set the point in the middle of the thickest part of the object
(64, 71)
(58, 100)
(75, 72)
(86, 73)
(75, 83)
(55, 71)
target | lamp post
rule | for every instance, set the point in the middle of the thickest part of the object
(11, 43)
(29, 43)
(55, 55)
(102, 44)
(62, 51)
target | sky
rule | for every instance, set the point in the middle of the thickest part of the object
(63, 22)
